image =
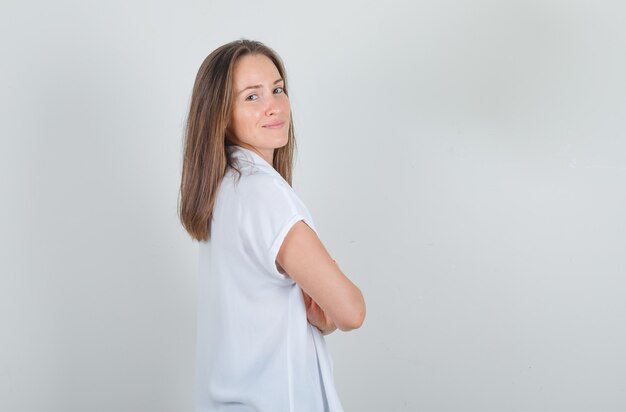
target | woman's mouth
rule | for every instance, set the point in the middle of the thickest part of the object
(275, 125)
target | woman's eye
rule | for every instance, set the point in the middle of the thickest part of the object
(280, 90)
(252, 97)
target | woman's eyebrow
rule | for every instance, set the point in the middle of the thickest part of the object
(258, 86)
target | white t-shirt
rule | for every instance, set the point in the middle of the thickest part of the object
(255, 350)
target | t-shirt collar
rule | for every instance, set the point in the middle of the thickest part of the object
(247, 155)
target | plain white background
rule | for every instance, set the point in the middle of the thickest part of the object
(464, 161)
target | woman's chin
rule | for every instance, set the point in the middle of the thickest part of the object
(282, 142)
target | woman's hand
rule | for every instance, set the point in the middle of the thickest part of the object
(316, 316)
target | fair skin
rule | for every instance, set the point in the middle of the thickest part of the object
(260, 110)
(260, 122)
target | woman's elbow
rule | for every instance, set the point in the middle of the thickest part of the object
(355, 321)
(352, 324)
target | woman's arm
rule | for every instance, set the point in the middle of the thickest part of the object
(316, 316)
(303, 256)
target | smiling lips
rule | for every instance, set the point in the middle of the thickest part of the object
(275, 125)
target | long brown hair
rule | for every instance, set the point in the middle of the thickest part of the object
(205, 155)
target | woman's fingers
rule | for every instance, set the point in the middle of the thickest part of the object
(307, 299)
(316, 316)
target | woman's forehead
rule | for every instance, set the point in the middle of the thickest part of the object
(254, 69)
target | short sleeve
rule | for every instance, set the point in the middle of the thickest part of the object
(269, 209)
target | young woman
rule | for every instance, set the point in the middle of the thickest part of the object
(267, 288)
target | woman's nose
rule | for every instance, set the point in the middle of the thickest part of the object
(273, 105)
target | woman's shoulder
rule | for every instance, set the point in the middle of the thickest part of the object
(267, 199)
(258, 186)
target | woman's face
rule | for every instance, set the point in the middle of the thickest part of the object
(260, 107)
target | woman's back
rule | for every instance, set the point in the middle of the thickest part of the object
(255, 348)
